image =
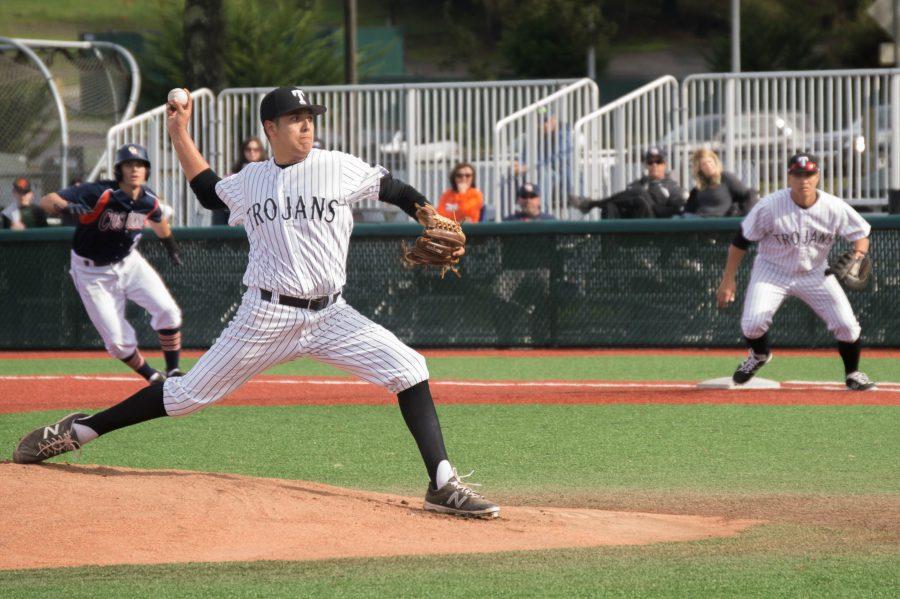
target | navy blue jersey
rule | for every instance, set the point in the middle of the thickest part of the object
(113, 227)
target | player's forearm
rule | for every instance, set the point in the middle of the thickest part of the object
(861, 246)
(52, 204)
(735, 255)
(192, 162)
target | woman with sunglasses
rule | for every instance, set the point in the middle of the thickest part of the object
(462, 202)
(252, 150)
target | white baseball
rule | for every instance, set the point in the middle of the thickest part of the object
(178, 95)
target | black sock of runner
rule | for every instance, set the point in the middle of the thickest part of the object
(137, 363)
(144, 405)
(760, 345)
(421, 419)
(850, 355)
(170, 342)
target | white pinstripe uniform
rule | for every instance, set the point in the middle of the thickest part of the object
(298, 221)
(791, 260)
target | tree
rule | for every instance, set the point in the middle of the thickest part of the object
(203, 24)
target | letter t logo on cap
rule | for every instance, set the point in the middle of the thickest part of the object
(299, 95)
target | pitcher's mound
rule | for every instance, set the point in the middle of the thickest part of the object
(63, 515)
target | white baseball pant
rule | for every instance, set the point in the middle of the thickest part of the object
(263, 334)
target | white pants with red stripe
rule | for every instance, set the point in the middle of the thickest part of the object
(104, 290)
(263, 334)
(768, 288)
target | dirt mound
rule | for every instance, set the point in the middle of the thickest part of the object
(63, 515)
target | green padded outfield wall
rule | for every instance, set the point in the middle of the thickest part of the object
(563, 284)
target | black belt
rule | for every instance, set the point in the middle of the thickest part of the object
(316, 303)
(95, 263)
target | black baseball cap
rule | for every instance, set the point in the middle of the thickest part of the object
(528, 190)
(803, 162)
(654, 153)
(283, 100)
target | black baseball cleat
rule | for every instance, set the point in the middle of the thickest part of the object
(48, 441)
(457, 499)
(157, 378)
(174, 372)
(750, 367)
(858, 381)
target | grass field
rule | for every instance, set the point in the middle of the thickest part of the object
(824, 479)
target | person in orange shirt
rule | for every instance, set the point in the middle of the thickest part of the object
(462, 201)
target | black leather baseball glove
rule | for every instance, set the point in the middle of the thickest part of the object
(851, 271)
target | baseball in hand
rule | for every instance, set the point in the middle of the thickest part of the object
(178, 95)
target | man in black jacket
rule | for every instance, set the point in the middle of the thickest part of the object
(655, 195)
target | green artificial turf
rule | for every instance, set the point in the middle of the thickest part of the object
(733, 448)
(601, 367)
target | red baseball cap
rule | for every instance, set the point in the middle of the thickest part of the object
(22, 185)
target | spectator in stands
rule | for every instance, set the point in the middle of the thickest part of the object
(716, 192)
(528, 198)
(463, 201)
(655, 195)
(252, 150)
(550, 166)
(22, 213)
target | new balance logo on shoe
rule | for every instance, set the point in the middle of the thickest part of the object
(51, 430)
(457, 499)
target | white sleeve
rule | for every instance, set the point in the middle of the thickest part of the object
(756, 224)
(853, 226)
(231, 191)
(359, 180)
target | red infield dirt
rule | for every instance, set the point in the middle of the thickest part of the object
(36, 393)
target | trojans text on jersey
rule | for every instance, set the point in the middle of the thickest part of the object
(314, 209)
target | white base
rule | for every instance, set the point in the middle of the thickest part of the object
(726, 383)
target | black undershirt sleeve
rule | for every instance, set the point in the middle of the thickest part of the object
(741, 242)
(400, 194)
(204, 187)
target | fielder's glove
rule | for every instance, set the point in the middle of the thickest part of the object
(441, 239)
(851, 271)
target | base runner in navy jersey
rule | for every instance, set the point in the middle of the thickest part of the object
(107, 268)
(795, 229)
(296, 209)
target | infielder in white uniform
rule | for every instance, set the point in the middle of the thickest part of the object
(106, 267)
(795, 229)
(296, 209)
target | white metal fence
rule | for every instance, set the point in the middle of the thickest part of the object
(166, 175)
(536, 145)
(554, 134)
(417, 131)
(756, 121)
(611, 141)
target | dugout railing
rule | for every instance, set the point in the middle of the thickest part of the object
(554, 284)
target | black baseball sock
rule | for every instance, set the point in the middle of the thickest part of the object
(760, 345)
(421, 418)
(170, 342)
(137, 362)
(144, 405)
(850, 355)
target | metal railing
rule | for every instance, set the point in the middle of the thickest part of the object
(166, 176)
(755, 121)
(417, 131)
(611, 141)
(536, 144)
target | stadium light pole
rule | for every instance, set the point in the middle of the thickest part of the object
(736, 35)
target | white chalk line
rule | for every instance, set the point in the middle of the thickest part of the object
(890, 387)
